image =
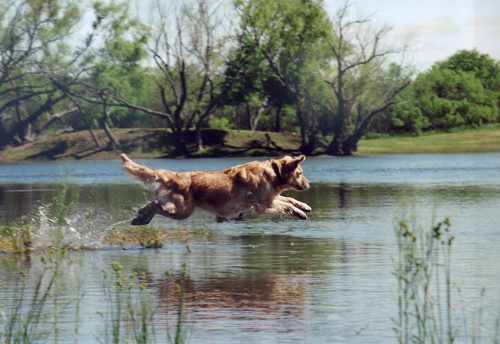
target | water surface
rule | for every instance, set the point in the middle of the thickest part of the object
(328, 279)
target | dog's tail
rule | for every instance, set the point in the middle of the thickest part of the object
(140, 172)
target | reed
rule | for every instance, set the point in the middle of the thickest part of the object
(130, 317)
(427, 298)
(423, 273)
(131, 307)
(28, 311)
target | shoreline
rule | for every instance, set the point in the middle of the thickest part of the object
(157, 143)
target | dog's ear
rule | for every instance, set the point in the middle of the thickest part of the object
(300, 158)
(277, 166)
(292, 164)
(285, 166)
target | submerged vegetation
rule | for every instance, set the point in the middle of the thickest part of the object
(53, 225)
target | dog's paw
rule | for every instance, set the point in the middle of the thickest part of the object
(138, 222)
(144, 215)
(238, 218)
(305, 207)
(296, 212)
(220, 219)
(301, 215)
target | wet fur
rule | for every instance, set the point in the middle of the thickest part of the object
(228, 194)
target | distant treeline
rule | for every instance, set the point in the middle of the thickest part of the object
(271, 65)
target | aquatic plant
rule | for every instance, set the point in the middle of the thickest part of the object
(424, 261)
(24, 316)
(180, 333)
(130, 316)
(131, 306)
(16, 239)
(427, 299)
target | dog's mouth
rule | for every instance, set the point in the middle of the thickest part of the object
(302, 187)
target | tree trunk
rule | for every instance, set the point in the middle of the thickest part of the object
(50, 121)
(103, 121)
(199, 138)
(277, 125)
(93, 135)
(336, 146)
(351, 143)
(305, 147)
(180, 145)
(20, 127)
(254, 122)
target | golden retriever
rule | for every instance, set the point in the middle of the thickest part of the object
(228, 194)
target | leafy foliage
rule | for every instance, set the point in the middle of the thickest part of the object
(459, 92)
(285, 66)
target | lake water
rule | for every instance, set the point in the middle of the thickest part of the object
(324, 280)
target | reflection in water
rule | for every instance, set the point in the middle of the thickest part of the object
(242, 299)
(328, 279)
(261, 286)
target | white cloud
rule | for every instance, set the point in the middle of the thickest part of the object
(437, 26)
(417, 46)
(486, 21)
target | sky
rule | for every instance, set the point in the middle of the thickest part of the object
(433, 30)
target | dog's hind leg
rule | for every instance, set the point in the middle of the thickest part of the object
(145, 214)
(169, 209)
(178, 208)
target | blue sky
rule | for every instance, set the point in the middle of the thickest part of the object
(434, 29)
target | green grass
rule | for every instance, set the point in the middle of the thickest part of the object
(485, 139)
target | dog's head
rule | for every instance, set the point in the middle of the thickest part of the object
(289, 172)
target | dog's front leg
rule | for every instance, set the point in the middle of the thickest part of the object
(220, 219)
(298, 204)
(279, 207)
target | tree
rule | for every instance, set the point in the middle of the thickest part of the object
(363, 82)
(112, 69)
(481, 66)
(188, 60)
(44, 75)
(32, 41)
(186, 52)
(461, 91)
(247, 71)
(289, 36)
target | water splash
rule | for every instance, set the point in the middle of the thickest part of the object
(83, 229)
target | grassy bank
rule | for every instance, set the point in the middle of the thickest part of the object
(158, 143)
(485, 139)
(153, 143)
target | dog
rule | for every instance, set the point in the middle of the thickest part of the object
(253, 186)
